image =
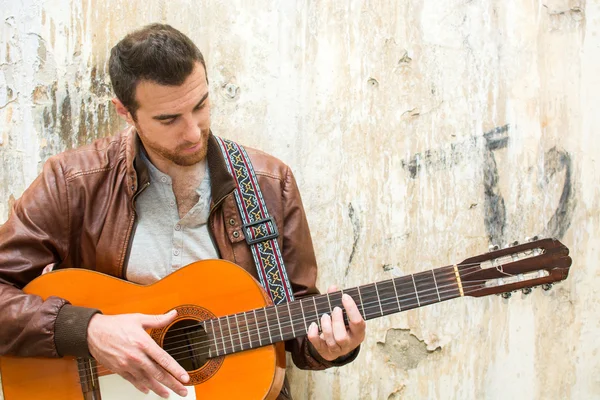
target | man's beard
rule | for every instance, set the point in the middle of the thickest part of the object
(176, 157)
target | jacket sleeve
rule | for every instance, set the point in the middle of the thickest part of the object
(301, 266)
(35, 235)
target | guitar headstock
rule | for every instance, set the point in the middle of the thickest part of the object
(538, 262)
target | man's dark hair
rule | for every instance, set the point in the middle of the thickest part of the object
(158, 53)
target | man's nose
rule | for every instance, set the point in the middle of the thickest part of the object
(192, 133)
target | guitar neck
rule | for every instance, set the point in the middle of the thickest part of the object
(268, 325)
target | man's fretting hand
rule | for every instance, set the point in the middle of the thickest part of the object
(121, 344)
(336, 340)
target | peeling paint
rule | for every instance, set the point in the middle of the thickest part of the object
(404, 349)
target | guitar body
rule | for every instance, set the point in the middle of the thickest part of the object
(199, 291)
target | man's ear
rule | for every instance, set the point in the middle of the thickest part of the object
(122, 111)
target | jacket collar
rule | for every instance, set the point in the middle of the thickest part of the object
(222, 183)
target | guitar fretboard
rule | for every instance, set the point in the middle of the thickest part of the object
(268, 325)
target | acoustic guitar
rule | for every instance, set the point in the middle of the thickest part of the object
(229, 336)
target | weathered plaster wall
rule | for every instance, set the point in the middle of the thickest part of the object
(419, 131)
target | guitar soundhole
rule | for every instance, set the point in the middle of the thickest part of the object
(187, 342)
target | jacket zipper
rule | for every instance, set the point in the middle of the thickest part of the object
(130, 233)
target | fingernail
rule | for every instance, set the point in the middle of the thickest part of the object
(337, 309)
(183, 393)
(346, 296)
(312, 326)
(184, 378)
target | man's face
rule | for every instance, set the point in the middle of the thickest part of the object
(173, 122)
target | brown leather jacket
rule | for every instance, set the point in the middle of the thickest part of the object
(80, 213)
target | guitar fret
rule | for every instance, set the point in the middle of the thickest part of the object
(362, 304)
(388, 295)
(222, 336)
(303, 316)
(257, 328)
(268, 327)
(426, 287)
(317, 313)
(416, 292)
(278, 322)
(248, 331)
(407, 294)
(436, 285)
(237, 324)
(212, 328)
(329, 302)
(230, 336)
(291, 319)
(345, 317)
(378, 299)
(397, 297)
(369, 301)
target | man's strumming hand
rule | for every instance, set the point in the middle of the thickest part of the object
(121, 344)
(335, 339)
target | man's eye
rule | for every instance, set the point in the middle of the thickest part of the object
(167, 121)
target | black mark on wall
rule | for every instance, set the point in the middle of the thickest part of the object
(356, 233)
(94, 111)
(555, 162)
(437, 160)
(494, 209)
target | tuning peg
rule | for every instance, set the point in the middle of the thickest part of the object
(526, 291)
(547, 286)
(493, 247)
(506, 295)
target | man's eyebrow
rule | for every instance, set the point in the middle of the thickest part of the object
(163, 117)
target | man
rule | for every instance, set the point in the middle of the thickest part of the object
(142, 204)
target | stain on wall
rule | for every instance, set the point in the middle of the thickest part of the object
(403, 349)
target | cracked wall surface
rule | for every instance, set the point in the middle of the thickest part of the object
(420, 132)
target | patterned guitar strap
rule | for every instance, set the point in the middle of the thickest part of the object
(258, 227)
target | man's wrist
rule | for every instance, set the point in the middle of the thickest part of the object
(70, 330)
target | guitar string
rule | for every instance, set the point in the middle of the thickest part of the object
(464, 273)
(196, 347)
(200, 345)
(291, 323)
(264, 326)
(449, 274)
(392, 300)
(442, 276)
(320, 298)
(370, 305)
